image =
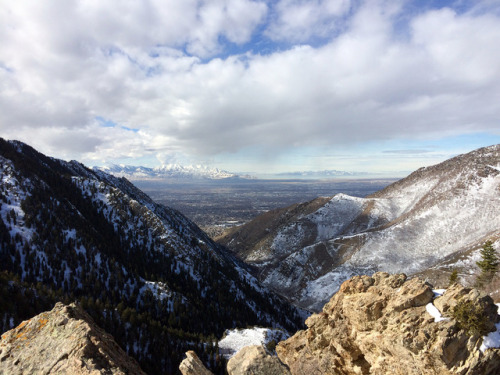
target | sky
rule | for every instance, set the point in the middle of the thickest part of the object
(380, 86)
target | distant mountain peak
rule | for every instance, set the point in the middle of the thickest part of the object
(326, 173)
(168, 171)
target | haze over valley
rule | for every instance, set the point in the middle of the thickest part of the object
(212, 204)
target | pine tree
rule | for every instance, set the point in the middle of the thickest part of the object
(488, 263)
(453, 277)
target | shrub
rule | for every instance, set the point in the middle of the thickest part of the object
(271, 346)
(471, 318)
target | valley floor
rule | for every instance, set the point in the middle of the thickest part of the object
(218, 204)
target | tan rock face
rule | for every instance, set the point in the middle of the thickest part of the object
(253, 360)
(192, 365)
(64, 340)
(380, 325)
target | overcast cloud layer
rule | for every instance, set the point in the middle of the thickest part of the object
(108, 80)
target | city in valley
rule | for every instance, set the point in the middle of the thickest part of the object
(218, 204)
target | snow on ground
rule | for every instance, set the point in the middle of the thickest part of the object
(236, 339)
(159, 289)
(468, 264)
(444, 216)
(403, 200)
(438, 292)
(435, 313)
(492, 340)
(432, 310)
(15, 193)
(333, 217)
(435, 231)
(495, 168)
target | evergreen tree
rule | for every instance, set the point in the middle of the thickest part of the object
(453, 277)
(488, 263)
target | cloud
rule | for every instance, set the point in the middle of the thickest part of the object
(168, 71)
(364, 85)
(234, 20)
(300, 20)
(459, 46)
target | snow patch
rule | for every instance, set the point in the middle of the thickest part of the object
(432, 310)
(435, 313)
(497, 168)
(236, 339)
(492, 339)
(158, 289)
(438, 292)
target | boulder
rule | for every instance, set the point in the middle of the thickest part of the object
(64, 340)
(192, 365)
(254, 360)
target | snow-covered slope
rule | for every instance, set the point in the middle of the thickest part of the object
(409, 226)
(168, 171)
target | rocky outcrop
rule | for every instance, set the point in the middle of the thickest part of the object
(64, 340)
(382, 325)
(256, 361)
(192, 365)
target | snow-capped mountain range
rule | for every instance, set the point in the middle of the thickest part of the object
(168, 171)
(327, 173)
(193, 172)
(307, 250)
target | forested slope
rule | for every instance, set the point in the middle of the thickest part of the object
(144, 272)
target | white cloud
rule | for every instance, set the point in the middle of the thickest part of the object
(232, 19)
(63, 64)
(299, 20)
(460, 46)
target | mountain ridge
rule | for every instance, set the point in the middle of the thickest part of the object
(326, 173)
(451, 206)
(140, 269)
(169, 171)
(204, 172)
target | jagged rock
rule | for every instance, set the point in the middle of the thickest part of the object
(380, 325)
(192, 365)
(457, 292)
(64, 340)
(254, 360)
